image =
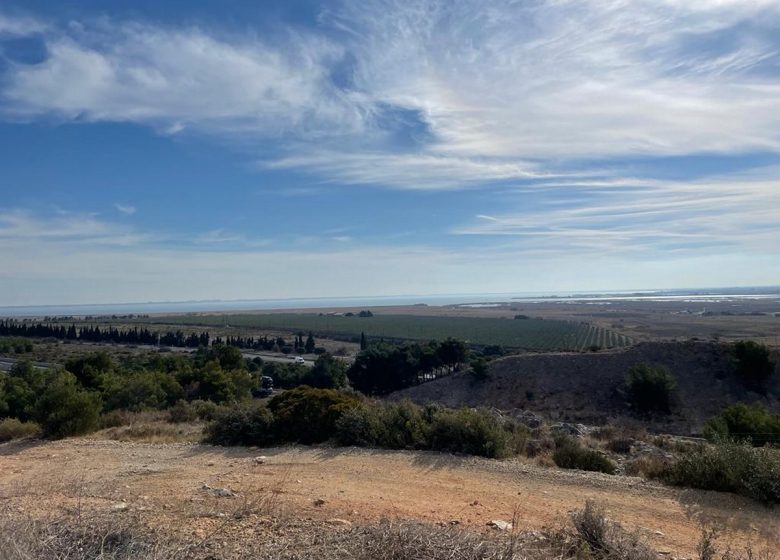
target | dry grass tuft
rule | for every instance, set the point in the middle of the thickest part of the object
(249, 532)
(79, 538)
(606, 539)
(650, 467)
(154, 432)
(11, 428)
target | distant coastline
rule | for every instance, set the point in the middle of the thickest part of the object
(199, 306)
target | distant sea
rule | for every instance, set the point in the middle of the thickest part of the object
(376, 301)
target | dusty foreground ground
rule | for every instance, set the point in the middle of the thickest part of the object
(165, 482)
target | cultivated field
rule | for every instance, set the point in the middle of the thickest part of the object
(525, 334)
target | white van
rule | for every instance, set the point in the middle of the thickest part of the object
(299, 360)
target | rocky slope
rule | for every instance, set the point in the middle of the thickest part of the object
(588, 388)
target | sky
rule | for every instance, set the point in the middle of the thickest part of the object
(167, 151)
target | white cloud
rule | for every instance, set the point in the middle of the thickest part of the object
(728, 213)
(64, 227)
(19, 25)
(125, 209)
(498, 90)
(571, 79)
(175, 78)
(218, 237)
(426, 171)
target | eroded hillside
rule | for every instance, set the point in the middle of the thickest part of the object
(588, 387)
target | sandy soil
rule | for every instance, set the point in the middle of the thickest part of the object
(166, 481)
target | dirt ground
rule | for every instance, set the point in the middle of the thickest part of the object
(166, 482)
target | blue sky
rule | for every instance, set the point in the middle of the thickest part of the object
(170, 151)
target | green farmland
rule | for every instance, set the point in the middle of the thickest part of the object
(528, 334)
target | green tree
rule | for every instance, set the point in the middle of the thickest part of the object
(479, 368)
(66, 409)
(383, 368)
(309, 415)
(650, 388)
(229, 357)
(753, 363)
(452, 352)
(91, 371)
(327, 373)
(310, 345)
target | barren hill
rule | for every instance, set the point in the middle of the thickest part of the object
(588, 387)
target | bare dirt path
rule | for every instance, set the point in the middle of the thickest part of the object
(166, 481)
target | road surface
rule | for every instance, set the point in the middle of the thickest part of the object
(7, 363)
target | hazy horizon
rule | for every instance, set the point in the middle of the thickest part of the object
(241, 305)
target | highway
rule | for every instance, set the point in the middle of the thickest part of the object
(7, 363)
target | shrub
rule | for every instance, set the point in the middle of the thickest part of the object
(569, 454)
(206, 410)
(20, 388)
(11, 428)
(606, 538)
(65, 409)
(650, 388)
(309, 415)
(752, 423)
(620, 445)
(142, 390)
(479, 369)
(752, 362)
(326, 373)
(363, 426)
(243, 424)
(116, 418)
(475, 432)
(650, 467)
(405, 426)
(730, 467)
(91, 370)
(182, 412)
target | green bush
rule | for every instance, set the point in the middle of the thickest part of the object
(20, 388)
(730, 467)
(474, 432)
(405, 425)
(569, 454)
(91, 370)
(363, 426)
(309, 415)
(66, 409)
(243, 424)
(15, 345)
(182, 412)
(206, 410)
(142, 390)
(479, 369)
(752, 362)
(742, 422)
(650, 388)
(11, 428)
(326, 373)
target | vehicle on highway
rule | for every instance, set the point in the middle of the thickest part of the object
(266, 387)
(298, 360)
